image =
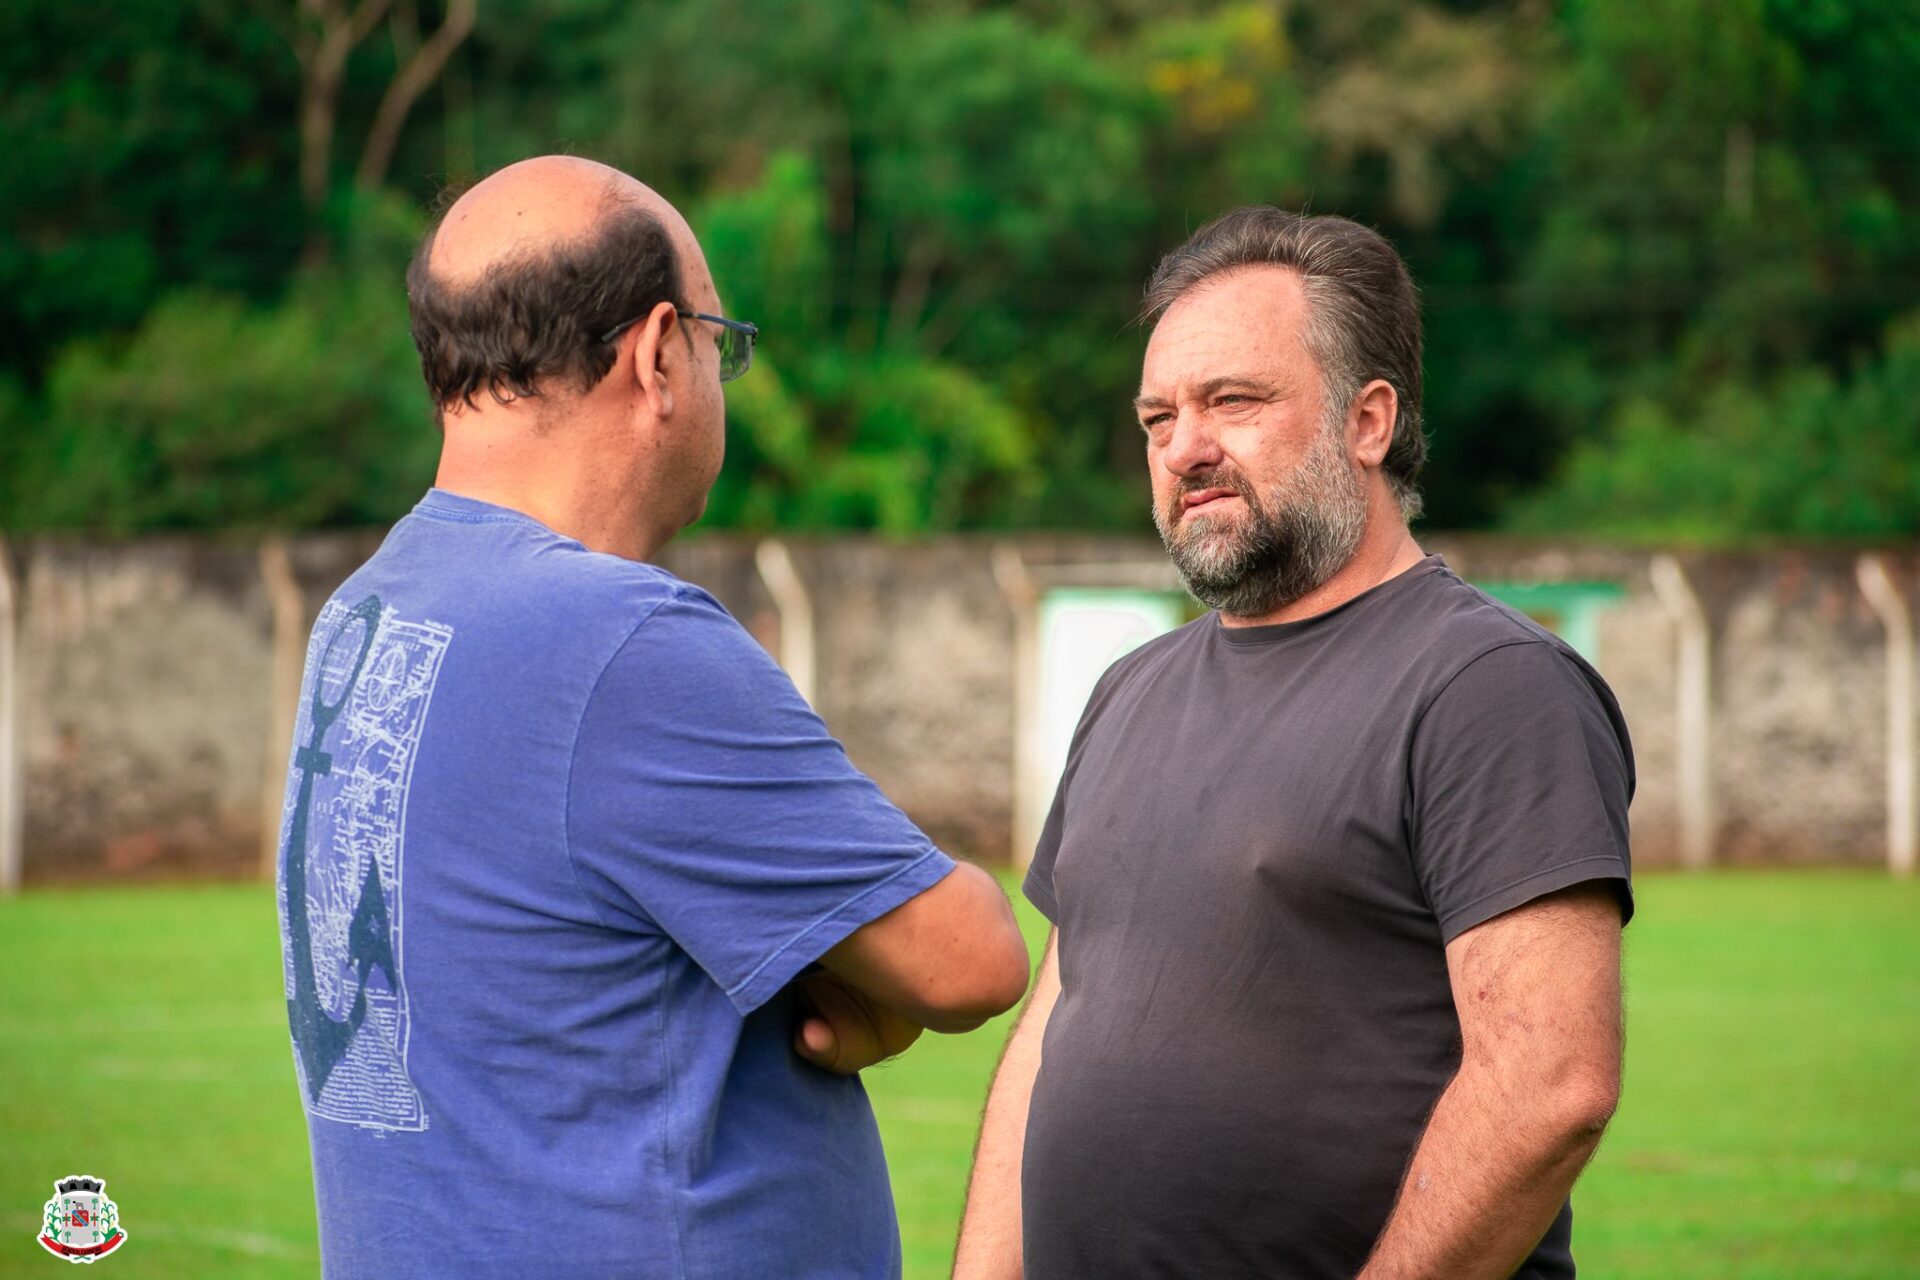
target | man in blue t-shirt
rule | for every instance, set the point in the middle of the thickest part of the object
(587, 923)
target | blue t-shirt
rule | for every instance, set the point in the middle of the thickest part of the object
(558, 834)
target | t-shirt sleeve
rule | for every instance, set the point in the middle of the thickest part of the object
(709, 802)
(1521, 775)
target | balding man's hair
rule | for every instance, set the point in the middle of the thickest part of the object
(538, 316)
(1363, 315)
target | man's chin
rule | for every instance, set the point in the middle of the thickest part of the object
(1218, 567)
(1213, 538)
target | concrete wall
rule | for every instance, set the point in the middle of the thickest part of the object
(143, 704)
(153, 718)
(1799, 688)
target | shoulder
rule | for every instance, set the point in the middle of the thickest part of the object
(626, 600)
(484, 561)
(1455, 629)
(1163, 648)
(1499, 677)
(606, 581)
(626, 620)
(1138, 665)
(1466, 620)
(689, 691)
(682, 646)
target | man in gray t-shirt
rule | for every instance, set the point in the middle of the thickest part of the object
(1337, 871)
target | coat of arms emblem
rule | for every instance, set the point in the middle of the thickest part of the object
(81, 1223)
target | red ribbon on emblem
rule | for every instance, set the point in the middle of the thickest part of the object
(106, 1246)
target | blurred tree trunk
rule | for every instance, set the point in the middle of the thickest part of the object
(416, 75)
(327, 33)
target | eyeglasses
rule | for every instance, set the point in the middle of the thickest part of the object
(736, 340)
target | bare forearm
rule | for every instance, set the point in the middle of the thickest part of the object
(990, 1232)
(1492, 1169)
(946, 959)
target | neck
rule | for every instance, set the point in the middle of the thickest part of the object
(1386, 551)
(590, 495)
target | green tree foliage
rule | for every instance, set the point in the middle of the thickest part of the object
(1664, 248)
(821, 436)
(1727, 235)
(149, 153)
(1803, 452)
(218, 412)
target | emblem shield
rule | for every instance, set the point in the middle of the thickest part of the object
(81, 1224)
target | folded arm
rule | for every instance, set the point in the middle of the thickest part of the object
(945, 960)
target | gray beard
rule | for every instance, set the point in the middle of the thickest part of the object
(1248, 565)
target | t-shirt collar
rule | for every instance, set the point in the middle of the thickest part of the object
(445, 505)
(1277, 632)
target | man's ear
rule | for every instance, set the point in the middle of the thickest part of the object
(655, 352)
(1371, 421)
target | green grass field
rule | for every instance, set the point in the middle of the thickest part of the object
(1770, 1125)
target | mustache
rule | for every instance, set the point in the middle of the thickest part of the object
(1224, 476)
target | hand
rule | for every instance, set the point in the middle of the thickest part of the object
(843, 1030)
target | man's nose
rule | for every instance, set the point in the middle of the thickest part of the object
(1194, 446)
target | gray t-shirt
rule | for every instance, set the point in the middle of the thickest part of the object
(1262, 842)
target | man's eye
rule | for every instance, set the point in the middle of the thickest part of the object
(1155, 420)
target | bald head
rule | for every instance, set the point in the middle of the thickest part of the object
(513, 292)
(538, 205)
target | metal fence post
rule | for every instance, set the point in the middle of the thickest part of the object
(1693, 688)
(795, 607)
(1903, 807)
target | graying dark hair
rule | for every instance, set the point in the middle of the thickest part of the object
(540, 316)
(1363, 312)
